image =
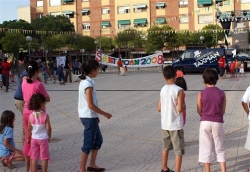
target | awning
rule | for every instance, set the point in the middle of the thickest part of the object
(160, 4)
(67, 0)
(68, 12)
(123, 22)
(140, 6)
(85, 10)
(140, 21)
(216, 1)
(105, 23)
(205, 2)
(160, 20)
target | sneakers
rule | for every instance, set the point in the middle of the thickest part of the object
(168, 170)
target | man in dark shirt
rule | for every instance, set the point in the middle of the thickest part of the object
(68, 69)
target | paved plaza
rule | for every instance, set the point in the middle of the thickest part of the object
(132, 137)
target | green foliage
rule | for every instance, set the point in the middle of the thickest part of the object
(209, 36)
(12, 42)
(17, 24)
(53, 23)
(158, 36)
(53, 42)
(106, 43)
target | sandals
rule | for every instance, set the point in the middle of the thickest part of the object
(168, 170)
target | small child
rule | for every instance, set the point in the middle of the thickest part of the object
(8, 152)
(39, 126)
(179, 73)
(211, 105)
(242, 68)
(236, 70)
(171, 107)
(60, 74)
(232, 68)
(181, 82)
(89, 111)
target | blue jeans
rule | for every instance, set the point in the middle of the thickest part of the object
(92, 137)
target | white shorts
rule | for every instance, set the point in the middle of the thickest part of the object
(211, 132)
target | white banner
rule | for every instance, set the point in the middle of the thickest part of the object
(147, 61)
(61, 60)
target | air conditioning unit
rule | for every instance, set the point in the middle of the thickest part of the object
(82, 50)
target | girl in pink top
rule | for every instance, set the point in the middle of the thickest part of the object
(30, 86)
(39, 126)
(181, 82)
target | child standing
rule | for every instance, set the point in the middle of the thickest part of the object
(236, 71)
(181, 82)
(171, 107)
(179, 73)
(60, 74)
(242, 68)
(45, 73)
(211, 105)
(232, 68)
(8, 152)
(39, 126)
(89, 114)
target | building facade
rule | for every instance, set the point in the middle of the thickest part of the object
(108, 17)
(23, 13)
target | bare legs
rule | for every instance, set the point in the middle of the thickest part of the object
(222, 166)
(84, 158)
(178, 161)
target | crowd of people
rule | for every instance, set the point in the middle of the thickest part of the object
(31, 97)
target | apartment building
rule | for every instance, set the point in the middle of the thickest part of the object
(108, 17)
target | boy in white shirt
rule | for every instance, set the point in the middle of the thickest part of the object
(171, 106)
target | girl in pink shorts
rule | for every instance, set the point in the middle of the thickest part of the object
(39, 132)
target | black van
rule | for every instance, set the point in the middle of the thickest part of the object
(199, 59)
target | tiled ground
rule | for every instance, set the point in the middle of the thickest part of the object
(132, 138)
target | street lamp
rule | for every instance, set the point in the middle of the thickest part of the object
(201, 38)
(96, 43)
(29, 39)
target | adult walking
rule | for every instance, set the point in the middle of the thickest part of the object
(68, 69)
(18, 96)
(5, 73)
(222, 63)
(30, 86)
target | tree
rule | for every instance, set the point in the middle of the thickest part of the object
(209, 33)
(53, 23)
(12, 42)
(106, 43)
(17, 24)
(158, 37)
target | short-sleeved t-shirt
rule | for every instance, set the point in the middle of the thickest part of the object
(246, 96)
(5, 67)
(7, 134)
(19, 93)
(83, 110)
(28, 90)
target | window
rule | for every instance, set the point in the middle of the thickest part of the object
(187, 55)
(66, 2)
(123, 26)
(184, 19)
(105, 24)
(39, 16)
(123, 9)
(85, 26)
(160, 5)
(85, 12)
(85, 0)
(39, 3)
(105, 11)
(183, 3)
(55, 14)
(140, 8)
(208, 18)
(54, 3)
